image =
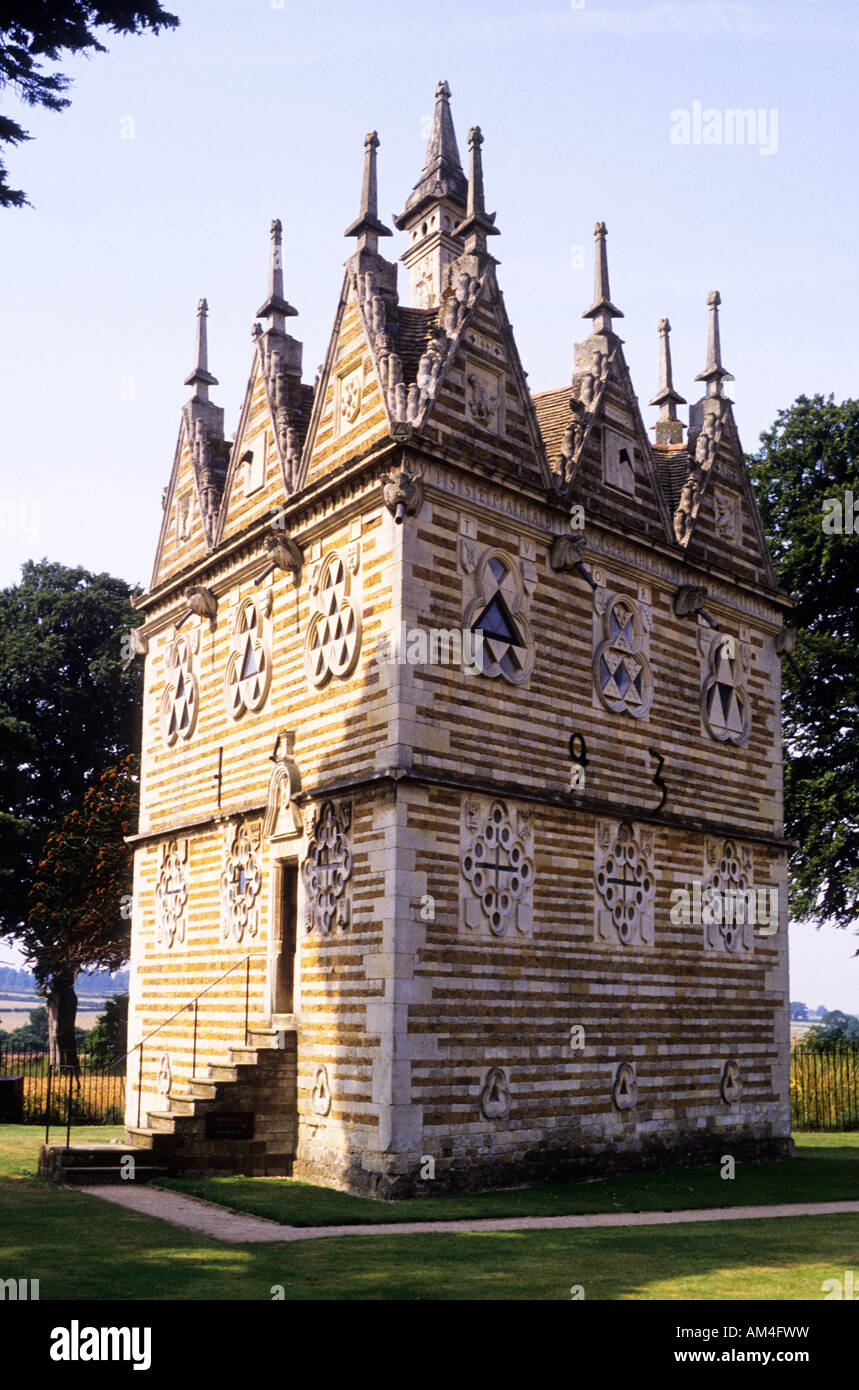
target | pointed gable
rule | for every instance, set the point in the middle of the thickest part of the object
(350, 411)
(597, 444)
(727, 530)
(479, 403)
(182, 541)
(716, 517)
(265, 461)
(193, 496)
(266, 457)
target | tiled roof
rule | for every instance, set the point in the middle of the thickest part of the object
(306, 408)
(553, 416)
(415, 332)
(672, 469)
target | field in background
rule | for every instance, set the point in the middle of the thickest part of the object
(15, 1010)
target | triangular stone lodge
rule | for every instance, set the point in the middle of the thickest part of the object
(389, 909)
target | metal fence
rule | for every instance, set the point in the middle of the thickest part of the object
(824, 1088)
(34, 1093)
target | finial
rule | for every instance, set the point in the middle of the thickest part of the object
(714, 373)
(477, 224)
(367, 226)
(669, 430)
(201, 377)
(602, 311)
(276, 307)
(442, 175)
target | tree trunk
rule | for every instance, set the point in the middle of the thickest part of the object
(62, 1012)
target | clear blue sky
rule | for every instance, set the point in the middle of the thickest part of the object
(257, 108)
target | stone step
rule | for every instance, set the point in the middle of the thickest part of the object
(189, 1105)
(82, 1164)
(143, 1137)
(162, 1121)
(90, 1177)
(203, 1089)
(222, 1071)
(93, 1155)
(244, 1056)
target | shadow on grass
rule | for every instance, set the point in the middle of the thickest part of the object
(820, 1172)
(81, 1248)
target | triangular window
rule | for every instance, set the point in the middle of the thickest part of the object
(495, 621)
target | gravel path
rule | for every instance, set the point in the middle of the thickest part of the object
(237, 1228)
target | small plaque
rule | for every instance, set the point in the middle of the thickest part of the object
(234, 1125)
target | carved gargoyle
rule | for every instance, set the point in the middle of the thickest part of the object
(200, 601)
(402, 495)
(283, 554)
(567, 556)
(139, 644)
(690, 598)
(785, 643)
(566, 553)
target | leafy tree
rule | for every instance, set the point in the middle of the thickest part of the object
(31, 32)
(67, 709)
(809, 458)
(798, 1012)
(108, 1038)
(80, 911)
(835, 1029)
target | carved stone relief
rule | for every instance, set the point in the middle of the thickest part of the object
(726, 512)
(497, 866)
(320, 1094)
(497, 611)
(248, 675)
(164, 1077)
(731, 1083)
(171, 894)
(729, 876)
(622, 676)
(327, 868)
(282, 816)
(725, 706)
(350, 393)
(333, 638)
(483, 392)
(240, 880)
(181, 698)
(495, 1095)
(618, 465)
(625, 883)
(624, 1091)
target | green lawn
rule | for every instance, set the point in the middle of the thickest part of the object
(825, 1169)
(82, 1248)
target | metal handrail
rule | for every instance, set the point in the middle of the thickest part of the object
(191, 1004)
(255, 955)
(61, 1067)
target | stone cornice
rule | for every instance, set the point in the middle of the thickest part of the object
(487, 786)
